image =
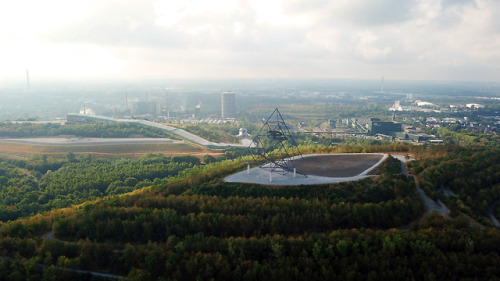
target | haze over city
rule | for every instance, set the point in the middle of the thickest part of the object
(411, 40)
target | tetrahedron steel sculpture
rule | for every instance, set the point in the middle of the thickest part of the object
(275, 148)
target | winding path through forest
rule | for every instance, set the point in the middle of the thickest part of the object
(439, 206)
(492, 215)
(430, 204)
(78, 271)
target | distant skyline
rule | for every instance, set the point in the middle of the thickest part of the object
(225, 39)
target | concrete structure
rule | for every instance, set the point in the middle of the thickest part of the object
(262, 176)
(228, 105)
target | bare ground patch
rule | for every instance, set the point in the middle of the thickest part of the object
(336, 165)
(134, 150)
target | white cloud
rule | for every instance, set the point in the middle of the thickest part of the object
(426, 11)
(24, 19)
(416, 39)
(371, 13)
(367, 45)
(171, 12)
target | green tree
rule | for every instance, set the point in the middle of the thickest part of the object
(207, 159)
(70, 156)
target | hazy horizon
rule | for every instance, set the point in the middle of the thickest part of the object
(21, 81)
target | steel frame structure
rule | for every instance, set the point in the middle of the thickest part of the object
(275, 147)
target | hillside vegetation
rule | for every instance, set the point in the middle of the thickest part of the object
(193, 226)
(28, 188)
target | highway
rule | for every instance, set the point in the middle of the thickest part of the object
(176, 131)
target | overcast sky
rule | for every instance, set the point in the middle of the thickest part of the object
(397, 39)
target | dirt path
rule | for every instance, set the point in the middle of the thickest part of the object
(78, 271)
(50, 236)
(430, 204)
(492, 215)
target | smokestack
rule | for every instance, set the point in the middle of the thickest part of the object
(197, 110)
(382, 89)
(166, 100)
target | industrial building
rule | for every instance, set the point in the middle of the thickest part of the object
(228, 105)
(474, 105)
(375, 126)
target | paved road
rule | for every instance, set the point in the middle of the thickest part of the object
(176, 131)
(430, 204)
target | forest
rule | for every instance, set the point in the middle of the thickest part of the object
(472, 175)
(459, 136)
(27, 188)
(174, 218)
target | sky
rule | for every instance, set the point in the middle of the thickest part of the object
(457, 40)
